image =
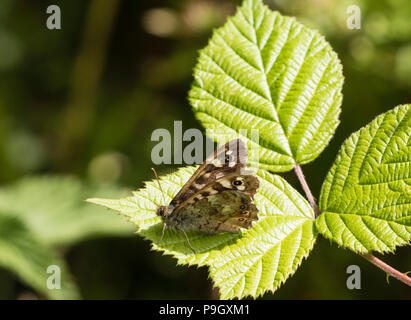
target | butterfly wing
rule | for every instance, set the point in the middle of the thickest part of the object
(228, 159)
(219, 196)
(222, 206)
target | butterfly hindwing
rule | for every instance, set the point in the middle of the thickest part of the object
(222, 212)
(224, 205)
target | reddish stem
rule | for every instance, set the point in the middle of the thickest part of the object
(387, 269)
(374, 260)
(306, 188)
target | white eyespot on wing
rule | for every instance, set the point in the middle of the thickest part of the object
(241, 188)
(219, 175)
(212, 191)
(217, 163)
(225, 183)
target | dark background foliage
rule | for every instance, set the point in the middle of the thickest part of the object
(85, 99)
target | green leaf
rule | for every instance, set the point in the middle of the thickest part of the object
(366, 197)
(24, 255)
(52, 208)
(249, 264)
(268, 72)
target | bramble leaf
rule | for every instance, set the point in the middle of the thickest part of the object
(270, 73)
(23, 254)
(366, 196)
(52, 208)
(248, 264)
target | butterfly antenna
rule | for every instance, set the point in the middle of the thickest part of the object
(159, 184)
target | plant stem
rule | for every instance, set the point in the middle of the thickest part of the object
(369, 257)
(306, 188)
(387, 269)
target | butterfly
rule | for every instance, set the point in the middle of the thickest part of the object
(219, 196)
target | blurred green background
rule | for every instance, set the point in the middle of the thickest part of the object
(77, 109)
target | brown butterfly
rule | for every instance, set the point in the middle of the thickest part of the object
(219, 197)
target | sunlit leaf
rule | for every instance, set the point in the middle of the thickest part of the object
(366, 197)
(267, 72)
(29, 259)
(248, 264)
(53, 209)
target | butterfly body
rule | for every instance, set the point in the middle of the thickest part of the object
(218, 197)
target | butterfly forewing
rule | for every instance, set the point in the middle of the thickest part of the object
(219, 196)
(227, 159)
(246, 183)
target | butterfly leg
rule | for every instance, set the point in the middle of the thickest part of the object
(188, 241)
(162, 234)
